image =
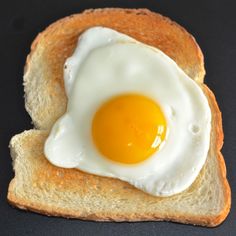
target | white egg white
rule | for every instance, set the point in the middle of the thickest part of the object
(107, 63)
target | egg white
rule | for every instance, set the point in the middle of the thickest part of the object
(107, 63)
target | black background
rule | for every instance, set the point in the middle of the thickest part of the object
(213, 23)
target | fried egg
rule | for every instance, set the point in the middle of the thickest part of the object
(132, 114)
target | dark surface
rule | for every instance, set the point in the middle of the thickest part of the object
(213, 23)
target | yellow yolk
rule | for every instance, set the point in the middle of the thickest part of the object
(129, 128)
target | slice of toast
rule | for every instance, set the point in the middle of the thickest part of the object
(47, 189)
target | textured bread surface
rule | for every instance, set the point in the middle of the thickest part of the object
(41, 187)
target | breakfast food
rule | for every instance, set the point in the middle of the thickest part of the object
(146, 105)
(203, 198)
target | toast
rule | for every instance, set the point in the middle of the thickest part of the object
(41, 187)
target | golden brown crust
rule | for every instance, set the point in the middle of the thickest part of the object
(147, 27)
(103, 217)
(219, 137)
(142, 24)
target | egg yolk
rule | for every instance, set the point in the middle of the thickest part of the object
(129, 128)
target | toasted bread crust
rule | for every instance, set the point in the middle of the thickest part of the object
(174, 40)
(219, 138)
(147, 27)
